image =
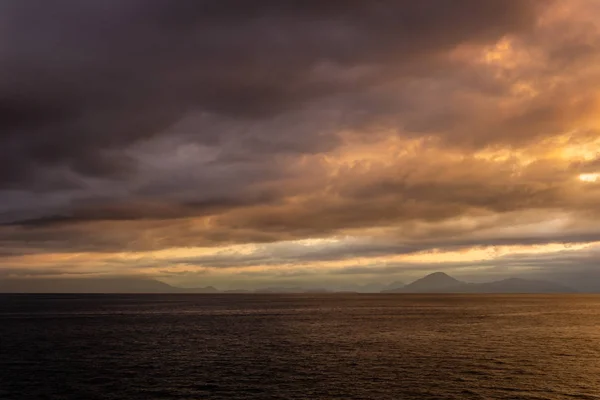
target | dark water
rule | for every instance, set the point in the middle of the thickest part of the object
(299, 347)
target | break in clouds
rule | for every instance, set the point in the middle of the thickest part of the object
(216, 141)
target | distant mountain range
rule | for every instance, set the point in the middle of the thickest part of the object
(440, 282)
(369, 287)
(437, 282)
(143, 285)
(94, 285)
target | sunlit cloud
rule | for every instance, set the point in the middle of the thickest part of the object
(591, 178)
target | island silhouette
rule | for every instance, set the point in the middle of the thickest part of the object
(437, 282)
(440, 282)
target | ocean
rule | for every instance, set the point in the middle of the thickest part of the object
(330, 346)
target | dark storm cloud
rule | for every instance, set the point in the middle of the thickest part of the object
(131, 210)
(81, 81)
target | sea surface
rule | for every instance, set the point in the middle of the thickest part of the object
(342, 346)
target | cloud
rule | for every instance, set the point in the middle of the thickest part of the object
(131, 127)
(92, 79)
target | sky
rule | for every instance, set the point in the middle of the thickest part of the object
(283, 142)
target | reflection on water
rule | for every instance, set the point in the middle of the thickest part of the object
(299, 347)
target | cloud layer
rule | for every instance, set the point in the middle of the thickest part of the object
(354, 133)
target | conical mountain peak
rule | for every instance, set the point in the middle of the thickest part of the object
(437, 280)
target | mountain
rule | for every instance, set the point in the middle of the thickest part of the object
(440, 282)
(207, 289)
(93, 285)
(369, 287)
(290, 290)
